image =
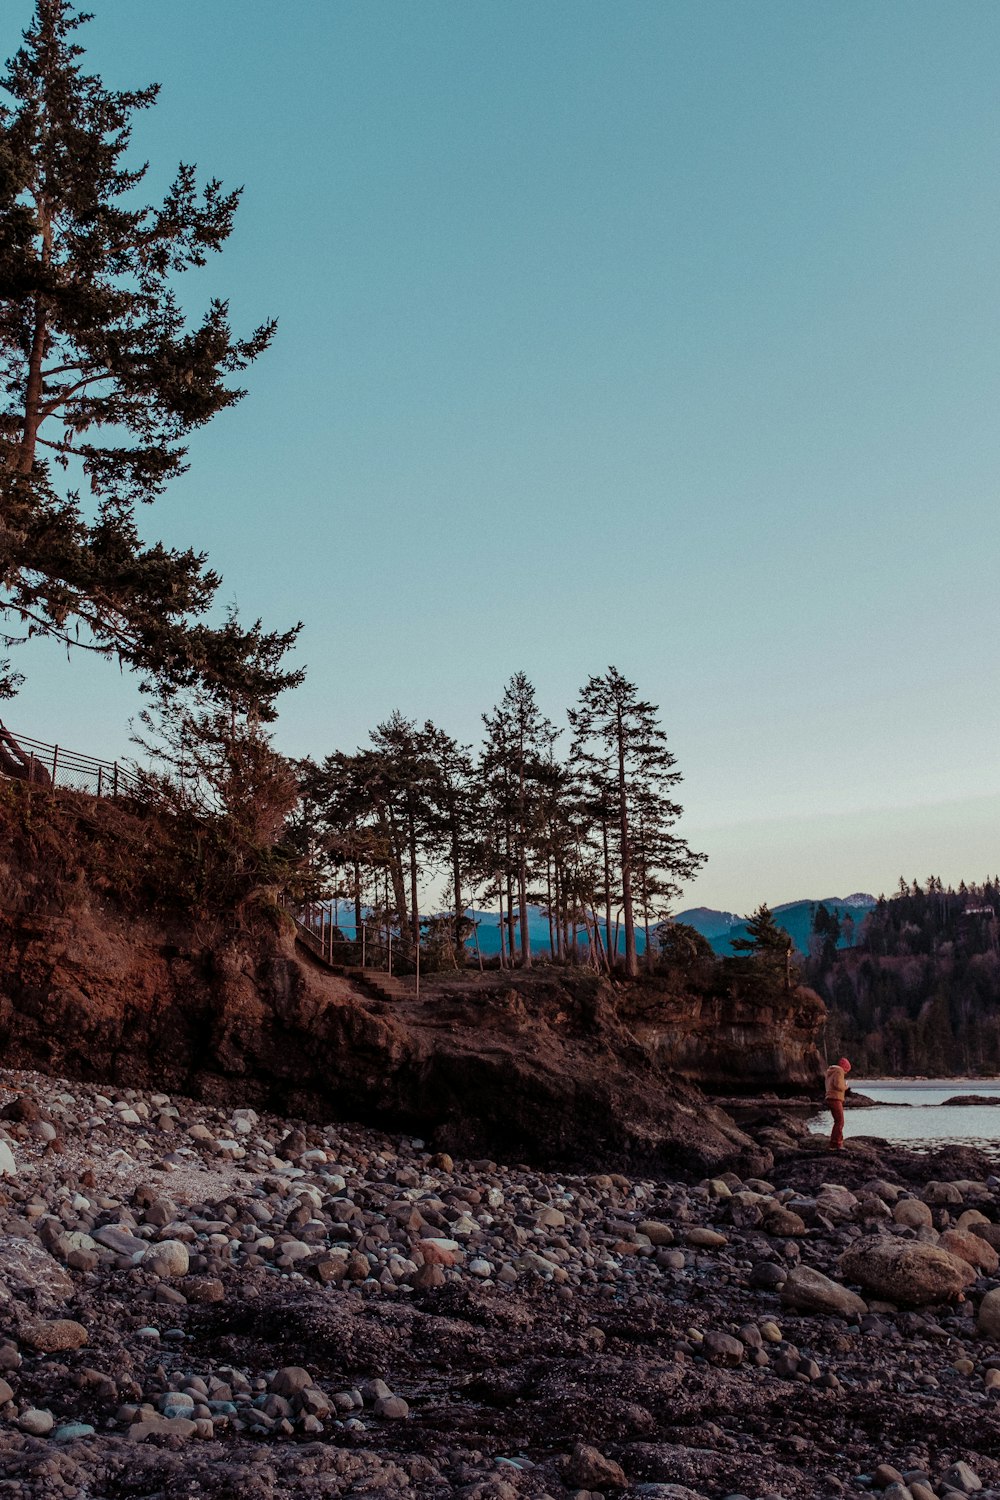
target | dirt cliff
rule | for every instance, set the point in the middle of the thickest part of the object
(107, 970)
(738, 1044)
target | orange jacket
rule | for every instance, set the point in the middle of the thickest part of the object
(836, 1083)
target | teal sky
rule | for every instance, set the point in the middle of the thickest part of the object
(661, 334)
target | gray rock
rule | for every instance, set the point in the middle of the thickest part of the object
(723, 1349)
(167, 1258)
(292, 1379)
(906, 1271)
(36, 1422)
(30, 1274)
(811, 1291)
(963, 1479)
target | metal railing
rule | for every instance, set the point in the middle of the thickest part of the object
(26, 759)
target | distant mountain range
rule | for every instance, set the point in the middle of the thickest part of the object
(796, 917)
(719, 927)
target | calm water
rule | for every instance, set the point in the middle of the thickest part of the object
(910, 1110)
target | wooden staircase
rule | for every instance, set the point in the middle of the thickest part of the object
(380, 986)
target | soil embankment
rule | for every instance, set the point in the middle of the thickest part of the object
(105, 974)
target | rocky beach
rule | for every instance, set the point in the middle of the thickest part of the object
(216, 1302)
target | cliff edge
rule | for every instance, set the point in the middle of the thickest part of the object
(115, 964)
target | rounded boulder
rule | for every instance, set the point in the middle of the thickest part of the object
(906, 1271)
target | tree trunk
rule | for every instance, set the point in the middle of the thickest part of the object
(631, 961)
(39, 339)
(607, 891)
(387, 818)
(415, 914)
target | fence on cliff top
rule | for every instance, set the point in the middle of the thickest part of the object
(25, 759)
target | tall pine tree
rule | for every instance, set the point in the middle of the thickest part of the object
(102, 379)
(619, 732)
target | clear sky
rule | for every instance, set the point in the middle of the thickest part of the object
(661, 334)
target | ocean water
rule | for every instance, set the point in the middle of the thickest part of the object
(913, 1110)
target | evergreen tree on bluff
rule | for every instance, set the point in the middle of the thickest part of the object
(617, 734)
(102, 379)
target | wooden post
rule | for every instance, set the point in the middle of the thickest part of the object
(55, 762)
(100, 768)
(364, 939)
(418, 971)
(389, 945)
(475, 933)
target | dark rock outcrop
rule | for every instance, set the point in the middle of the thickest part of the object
(732, 1044)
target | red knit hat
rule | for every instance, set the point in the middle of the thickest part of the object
(843, 1063)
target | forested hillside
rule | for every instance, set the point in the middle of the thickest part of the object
(920, 990)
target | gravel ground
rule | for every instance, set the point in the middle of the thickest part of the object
(199, 1303)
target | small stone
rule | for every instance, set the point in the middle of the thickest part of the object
(55, 1336)
(656, 1232)
(290, 1380)
(36, 1422)
(811, 1291)
(167, 1258)
(588, 1468)
(723, 1349)
(431, 1275)
(988, 1319)
(392, 1408)
(913, 1213)
(768, 1275)
(705, 1239)
(71, 1432)
(885, 1474)
(960, 1477)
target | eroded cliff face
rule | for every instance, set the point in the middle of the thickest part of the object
(536, 1070)
(101, 978)
(732, 1044)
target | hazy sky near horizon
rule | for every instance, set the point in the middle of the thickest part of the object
(661, 334)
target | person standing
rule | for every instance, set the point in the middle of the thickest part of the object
(836, 1093)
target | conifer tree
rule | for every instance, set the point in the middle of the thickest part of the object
(518, 737)
(620, 733)
(102, 379)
